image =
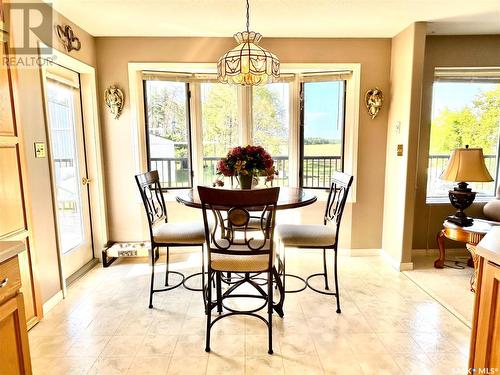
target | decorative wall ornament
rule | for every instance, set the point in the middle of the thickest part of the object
(114, 99)
(374, 99)
(68, 39)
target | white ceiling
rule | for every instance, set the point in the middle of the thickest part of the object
(280, 18)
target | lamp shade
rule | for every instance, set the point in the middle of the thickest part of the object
(248, 64)
(466, 165)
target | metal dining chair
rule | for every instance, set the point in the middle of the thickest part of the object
(167, 234)
(234, 247)
(317, 236)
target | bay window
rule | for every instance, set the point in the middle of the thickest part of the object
(192, 120)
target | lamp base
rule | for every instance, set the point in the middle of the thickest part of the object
(460, 221)
(461, 197)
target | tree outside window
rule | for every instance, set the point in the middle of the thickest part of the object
(463, 113)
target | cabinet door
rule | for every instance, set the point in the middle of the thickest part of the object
(487, 350)
(14, 349)
(15, 222)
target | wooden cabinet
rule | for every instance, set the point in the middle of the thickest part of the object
(14, 346)
(15, 223)
(485, 344)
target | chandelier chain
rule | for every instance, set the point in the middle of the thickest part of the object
(248, 16)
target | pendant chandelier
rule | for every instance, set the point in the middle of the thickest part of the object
(248, 64)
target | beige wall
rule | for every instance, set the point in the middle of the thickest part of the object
(124, 209)
(444, 51)
(407, 58)
(31, 116)
(370, 223)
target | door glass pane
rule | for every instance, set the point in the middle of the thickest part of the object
(168, 137)
(323, 132)
(61, 107)
(219, 123)
(271, 123)
(463, 113)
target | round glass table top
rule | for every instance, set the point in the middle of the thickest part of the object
(289, 198)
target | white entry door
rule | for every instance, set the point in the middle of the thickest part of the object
(69, 171)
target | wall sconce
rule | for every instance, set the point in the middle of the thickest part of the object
(374, 99)
(114, 99)
(68, 39)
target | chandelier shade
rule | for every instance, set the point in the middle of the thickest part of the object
(248, 64)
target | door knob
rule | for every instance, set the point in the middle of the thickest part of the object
(86, 181)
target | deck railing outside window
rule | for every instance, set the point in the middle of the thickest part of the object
(317, 170)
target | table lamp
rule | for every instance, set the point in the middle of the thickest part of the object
(465, 164)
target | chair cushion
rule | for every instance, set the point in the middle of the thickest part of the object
(184, 233)
(241, 263)
(306, 235)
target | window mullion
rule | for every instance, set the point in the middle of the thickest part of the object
(196, 134)
(245, 115)
(249, 112)
(294, 136)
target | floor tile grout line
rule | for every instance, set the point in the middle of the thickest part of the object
(435, 298)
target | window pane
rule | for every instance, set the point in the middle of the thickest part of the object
(271, 122)
(168, 137)
(219, 122)
(323, 132)
(63, 139)
(463, 113)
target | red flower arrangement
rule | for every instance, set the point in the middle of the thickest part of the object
(244, 161)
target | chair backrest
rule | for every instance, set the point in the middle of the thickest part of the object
(337, 197)
(233, 228)
(152, 197)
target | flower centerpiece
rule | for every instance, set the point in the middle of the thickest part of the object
(246, 163)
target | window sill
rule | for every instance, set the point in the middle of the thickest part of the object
(446, 200)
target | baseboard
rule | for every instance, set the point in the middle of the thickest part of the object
(453, 251)
(408, 266)
(52, 302)
(398, 266)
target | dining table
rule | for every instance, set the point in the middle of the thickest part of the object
(289, 198)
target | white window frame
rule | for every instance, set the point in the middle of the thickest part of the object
(352, 109)
(319, 77)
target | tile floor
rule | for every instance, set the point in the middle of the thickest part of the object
(449, 285)
(388, 326)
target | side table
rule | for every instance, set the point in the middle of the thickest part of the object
(470, 235)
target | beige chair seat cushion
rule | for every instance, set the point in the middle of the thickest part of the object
(185, 233)
(306, 235)
(241, 263)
